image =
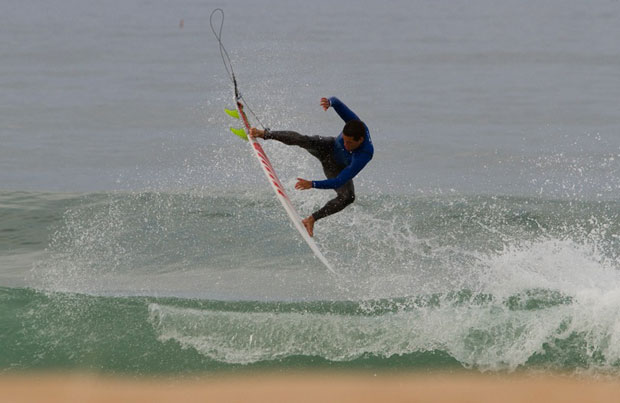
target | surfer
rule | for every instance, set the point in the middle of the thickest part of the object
(342, 158)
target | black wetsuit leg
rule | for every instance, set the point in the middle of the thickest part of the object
(321, 148)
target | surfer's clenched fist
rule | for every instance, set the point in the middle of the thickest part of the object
(325, 103)
(254, 132)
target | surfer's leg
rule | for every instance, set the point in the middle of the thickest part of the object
(345, 195)
(315, 145)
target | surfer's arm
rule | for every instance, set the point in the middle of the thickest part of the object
(358, 162)
(342, 110)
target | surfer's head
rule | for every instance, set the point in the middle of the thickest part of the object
(353, 134)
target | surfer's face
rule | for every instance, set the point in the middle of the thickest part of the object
(350, 143)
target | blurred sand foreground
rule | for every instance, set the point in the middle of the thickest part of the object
(310, 387)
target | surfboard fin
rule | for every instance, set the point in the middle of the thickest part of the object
(239, 132)
(232, 113)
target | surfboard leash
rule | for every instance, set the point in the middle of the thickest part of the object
(228, 64)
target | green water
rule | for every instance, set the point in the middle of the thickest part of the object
(152, 282)
(146, 335)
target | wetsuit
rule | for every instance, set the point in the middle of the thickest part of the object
(339, 165)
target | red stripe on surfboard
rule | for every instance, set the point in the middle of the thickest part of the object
(269, 167)
(260, 152)
(266, 163)
(271, 172)
(263, 159)
(283, 194)
(243, 116)
(276, 184)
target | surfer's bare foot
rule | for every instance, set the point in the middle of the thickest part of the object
(309, 224)
(254, 132)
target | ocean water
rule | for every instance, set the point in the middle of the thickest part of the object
(137, 235)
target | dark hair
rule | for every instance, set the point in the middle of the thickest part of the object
(354, 128)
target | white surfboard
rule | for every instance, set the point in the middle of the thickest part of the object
(278, 188)
(258, 150)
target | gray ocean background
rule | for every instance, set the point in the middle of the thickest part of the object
(138, 235)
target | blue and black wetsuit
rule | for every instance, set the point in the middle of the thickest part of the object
(340, 166)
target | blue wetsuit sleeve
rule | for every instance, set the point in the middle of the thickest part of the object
(358, 162)
(342, 110)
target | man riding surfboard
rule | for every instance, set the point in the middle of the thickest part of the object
(342, 158)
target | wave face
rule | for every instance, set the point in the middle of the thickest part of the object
(533, 329)
(172, 282)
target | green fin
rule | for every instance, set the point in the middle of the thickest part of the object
(232, 113)
(239, 132)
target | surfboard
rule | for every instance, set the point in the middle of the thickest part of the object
(258, 151)
(276, 185)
